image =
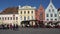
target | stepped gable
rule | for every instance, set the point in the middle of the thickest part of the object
(10, 10)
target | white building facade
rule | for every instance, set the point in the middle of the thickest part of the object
(9, 19)
(26, 13)
(51, 13)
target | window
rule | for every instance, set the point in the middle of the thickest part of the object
(47, 19)
(5, 18)
(28, 12)
(20, 17)
(51, 19)
(51, 15)
(10, 18)
(32, 17)
(13, 18)
(52, 10)
(55, 19)
(28, 18)
(24, 12)
(24, 18)
(51, 6)
(16, 18)
(21, 12)
(32, 12)
(41, 14)
(47, 15)
(0, 18)
(49, 10)
(55, 15)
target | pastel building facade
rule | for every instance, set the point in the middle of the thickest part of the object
(51, 13)
(26, 13)
(9, 19)
(40, 14)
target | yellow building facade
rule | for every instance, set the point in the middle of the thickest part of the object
(26, 13)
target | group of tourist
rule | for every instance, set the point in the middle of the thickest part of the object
(9, 26)
(49, 24)
(37, 25)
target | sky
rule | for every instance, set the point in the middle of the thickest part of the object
(34, 3)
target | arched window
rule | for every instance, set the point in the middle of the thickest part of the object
(28, 12)
(24, 12)
(32, 12)
(21, 12)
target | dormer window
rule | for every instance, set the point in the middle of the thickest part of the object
(51, 6)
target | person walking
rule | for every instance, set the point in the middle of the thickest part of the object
(14, 27)
(3, 26)
(7, 26)
(11, 26)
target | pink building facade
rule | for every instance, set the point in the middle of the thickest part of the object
(40, 14)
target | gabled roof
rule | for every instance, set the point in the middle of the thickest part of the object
(10, 10)
(50, 5)
(41, 7)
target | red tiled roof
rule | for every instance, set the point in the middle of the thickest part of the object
(10, 10)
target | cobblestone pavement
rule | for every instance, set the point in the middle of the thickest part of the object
(31, 31)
